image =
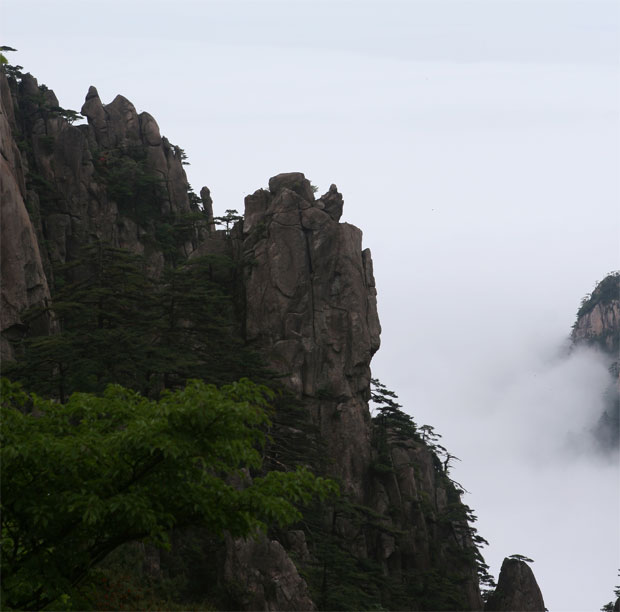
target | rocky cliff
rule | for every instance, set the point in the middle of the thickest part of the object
(399, 537)
(311, 308)
(24, 283)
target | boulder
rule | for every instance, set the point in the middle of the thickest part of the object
(295, 181)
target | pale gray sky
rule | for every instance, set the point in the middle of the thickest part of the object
(477, 145)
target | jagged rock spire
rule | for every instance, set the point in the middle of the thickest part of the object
(517, 589)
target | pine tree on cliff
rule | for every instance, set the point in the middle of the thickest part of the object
(120, 326)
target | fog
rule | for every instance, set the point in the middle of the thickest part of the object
(477, 145)
(519, 418)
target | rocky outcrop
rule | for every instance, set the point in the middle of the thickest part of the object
(517, 589)
(207, 206)
(117, 126)
(105, 181)
(115, 180)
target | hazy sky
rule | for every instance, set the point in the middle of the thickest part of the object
(477, 145)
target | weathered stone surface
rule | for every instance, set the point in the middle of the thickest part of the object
(256, 206)
(517, 590)
(600, 326)
(309, 298)
(310, 307)
(265, 576)
(295, 181)
(69, 200)
(149, 130)
(117, 126)
(332, 203)
(207, 205)
(93, 110)
(24, 283)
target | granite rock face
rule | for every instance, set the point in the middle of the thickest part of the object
(311, 308)
(24, 283)
(598, 319)
(67, 186)
(265, 573)
(118, 126)
(517, 589)
(72, 167)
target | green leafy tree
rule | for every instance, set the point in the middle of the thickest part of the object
(82, 478)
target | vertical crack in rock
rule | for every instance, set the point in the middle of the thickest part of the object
(316, 323)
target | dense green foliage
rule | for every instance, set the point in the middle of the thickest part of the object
(81, 478)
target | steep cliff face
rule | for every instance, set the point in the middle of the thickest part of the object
(107, 181)
(309, 306)
(598, 325)
(115, 181)
(24, 283)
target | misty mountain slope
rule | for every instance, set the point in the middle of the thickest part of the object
(598, 326)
